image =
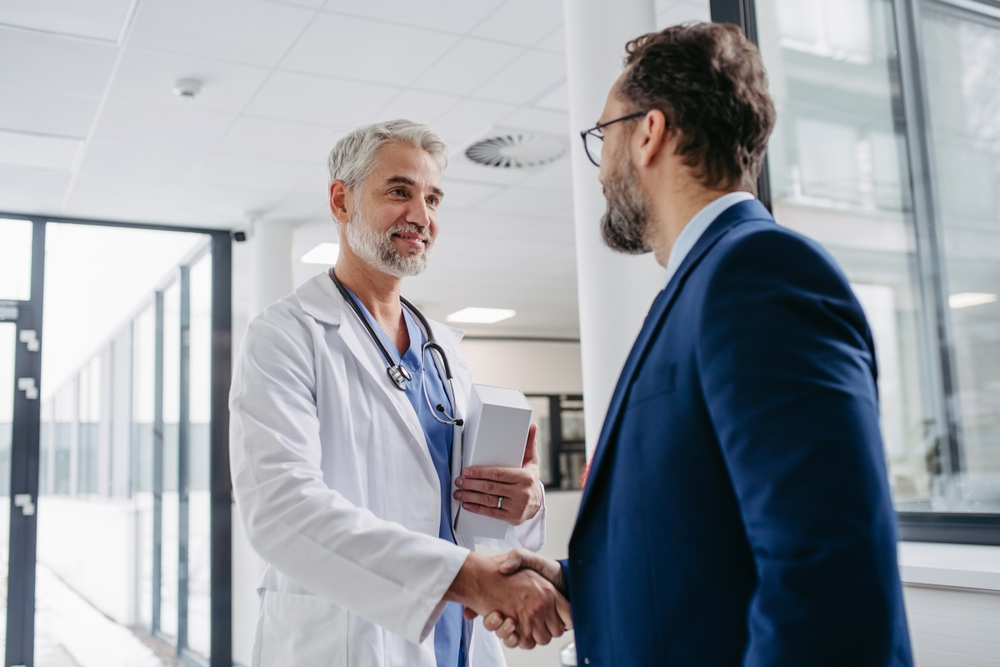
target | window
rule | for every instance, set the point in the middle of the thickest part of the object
(841, 170)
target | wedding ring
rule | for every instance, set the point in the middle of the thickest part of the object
(500, 502)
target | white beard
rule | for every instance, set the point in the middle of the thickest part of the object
(379, 250)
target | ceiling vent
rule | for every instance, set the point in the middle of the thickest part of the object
(517, 149)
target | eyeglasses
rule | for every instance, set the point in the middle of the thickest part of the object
(593, 139)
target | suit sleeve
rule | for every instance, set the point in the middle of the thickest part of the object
(377, 569)
(788, 374)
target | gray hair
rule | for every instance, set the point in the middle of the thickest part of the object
(352, 160)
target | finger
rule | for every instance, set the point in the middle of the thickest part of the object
(540, 633)
(468, 613)
(508, 628)
(512, 641)
(512, 563)
(565, 612)
(527, 643)
(493, 487)
(484, 499)
(496, 474)
(531, 449)
(493, 620)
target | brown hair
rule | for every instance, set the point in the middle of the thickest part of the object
(709, 82)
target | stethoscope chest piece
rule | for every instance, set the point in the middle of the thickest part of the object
(399, 376)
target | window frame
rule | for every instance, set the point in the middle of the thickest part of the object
(912, 119)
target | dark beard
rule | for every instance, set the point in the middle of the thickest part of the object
(623, 225)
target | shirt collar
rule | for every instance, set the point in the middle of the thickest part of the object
(696, 227)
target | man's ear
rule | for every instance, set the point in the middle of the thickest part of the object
(653, 137)
(338, 201)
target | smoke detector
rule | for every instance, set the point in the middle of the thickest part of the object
(187, 89)
(517, 149)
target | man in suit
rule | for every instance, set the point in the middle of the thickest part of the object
(737, 510)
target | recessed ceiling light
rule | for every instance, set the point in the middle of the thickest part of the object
(325, 253)
(481, 315)
(967, 299)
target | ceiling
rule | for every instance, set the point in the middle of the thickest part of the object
(90, 127)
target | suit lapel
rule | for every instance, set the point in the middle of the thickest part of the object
(740, 212)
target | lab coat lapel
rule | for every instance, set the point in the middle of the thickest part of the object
(320, 298)
(750, 209)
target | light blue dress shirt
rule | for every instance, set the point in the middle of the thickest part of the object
(701, 221)
(452, 632)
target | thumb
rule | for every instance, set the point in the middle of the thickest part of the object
(512, 563)
(531, 449)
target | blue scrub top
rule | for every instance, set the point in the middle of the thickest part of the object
(452, 632)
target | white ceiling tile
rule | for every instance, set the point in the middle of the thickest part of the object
(529, 202)
(316, 184)
(178, 125)
(468, 121)
(554, 41)
(29, 150)
(673, 13)
(225, 204)
(353, 48)
(557, 176)
(97, 187)
(46, 61)
(526, 78)
(140, 162)
(246, 31)
(540, 120)
(99, 19)
(463, 169)
(449, 15)
(45, 112)
(32, 185)
(418, 106)
(279, 140)
(459, 195)
(315, 99)
(557, 99)
(467, 66)
(149, 76)
(522, 21)
(297, 206)
(247, 172)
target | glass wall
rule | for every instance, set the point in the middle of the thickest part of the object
(839, 173)
(111, 513)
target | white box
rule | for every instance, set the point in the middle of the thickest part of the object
(496, 432)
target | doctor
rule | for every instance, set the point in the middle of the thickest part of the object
(346, 434)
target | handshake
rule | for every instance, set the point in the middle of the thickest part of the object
(520, 595)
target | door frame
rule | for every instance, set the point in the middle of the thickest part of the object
(25, 447)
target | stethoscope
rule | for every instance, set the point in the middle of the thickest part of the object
(397, 372)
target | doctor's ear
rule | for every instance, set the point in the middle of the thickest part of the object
(340, 201)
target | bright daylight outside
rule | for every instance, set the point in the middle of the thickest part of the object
(115, 303)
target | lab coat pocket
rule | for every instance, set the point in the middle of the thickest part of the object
(302, 630)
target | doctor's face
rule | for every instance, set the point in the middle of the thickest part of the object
(393, 222)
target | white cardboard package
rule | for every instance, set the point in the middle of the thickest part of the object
(496, 432)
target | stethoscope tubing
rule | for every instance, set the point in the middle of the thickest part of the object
(396, 371)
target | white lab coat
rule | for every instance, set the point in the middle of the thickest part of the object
(338, 493)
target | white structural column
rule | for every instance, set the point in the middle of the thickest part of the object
(272, 241)
(615, 290)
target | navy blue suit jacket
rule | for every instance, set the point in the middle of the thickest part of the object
(737, 510)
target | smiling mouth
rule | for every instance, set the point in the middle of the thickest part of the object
(414, 240)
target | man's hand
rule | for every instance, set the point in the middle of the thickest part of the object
(481, 488)
(529, 600)
(506, 627)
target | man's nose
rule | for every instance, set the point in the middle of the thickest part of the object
(420, 214)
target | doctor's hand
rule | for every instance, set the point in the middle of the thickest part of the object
(511, 494)
(505, 627)
(531, 602)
